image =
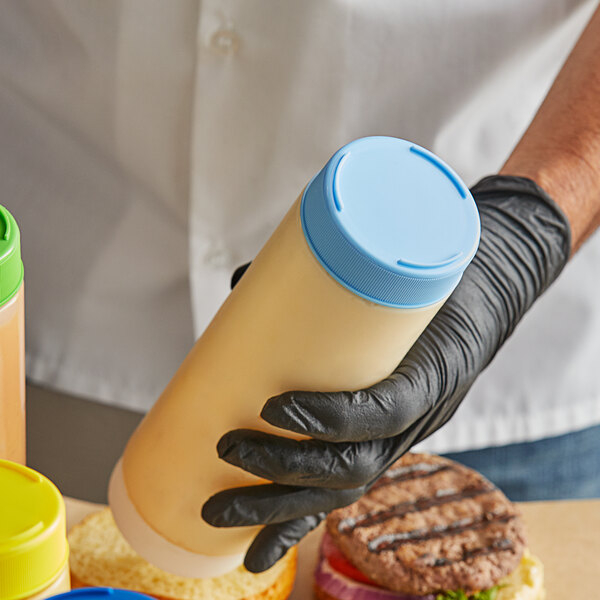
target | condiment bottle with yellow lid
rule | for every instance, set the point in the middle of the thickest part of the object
(34, 551)
(12, 344)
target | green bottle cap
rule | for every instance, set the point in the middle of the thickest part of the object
(11, 266)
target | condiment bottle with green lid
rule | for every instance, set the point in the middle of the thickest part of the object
(12, 342)
(34, 551)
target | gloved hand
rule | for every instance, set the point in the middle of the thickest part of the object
(525, 242)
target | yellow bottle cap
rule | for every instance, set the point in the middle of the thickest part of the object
(33, 540)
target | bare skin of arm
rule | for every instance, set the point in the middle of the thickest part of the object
(561, 148)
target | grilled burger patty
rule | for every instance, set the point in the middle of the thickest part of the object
(430, 524)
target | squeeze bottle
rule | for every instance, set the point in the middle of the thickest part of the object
(34, 552)
(12, 342)
(355, 271)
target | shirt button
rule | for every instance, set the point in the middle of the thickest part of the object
(217, 257)
(225, 42)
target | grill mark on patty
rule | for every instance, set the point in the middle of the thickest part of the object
(416, 471)
(391, 541)
(422, 503)
(503, 545)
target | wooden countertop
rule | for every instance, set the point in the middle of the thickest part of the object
(564, 534)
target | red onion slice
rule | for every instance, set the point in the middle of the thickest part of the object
(343, 588)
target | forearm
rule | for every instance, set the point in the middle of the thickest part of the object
(561, 148)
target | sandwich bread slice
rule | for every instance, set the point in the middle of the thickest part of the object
(100, 556)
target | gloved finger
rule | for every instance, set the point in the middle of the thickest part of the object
(381, 411)
(238, 273)
(309, 463)
(274, 541)
(272, 503)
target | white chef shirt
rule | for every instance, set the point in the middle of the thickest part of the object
(147, 148)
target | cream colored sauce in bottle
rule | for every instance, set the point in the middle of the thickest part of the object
(60, 585)
(12, 380)
(287, 325)
(12, 342)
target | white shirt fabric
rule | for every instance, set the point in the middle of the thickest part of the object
(147, 148)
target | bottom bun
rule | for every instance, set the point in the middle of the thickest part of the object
(100, 556)
(526, 582)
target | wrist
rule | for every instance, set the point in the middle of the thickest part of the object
(571, 181)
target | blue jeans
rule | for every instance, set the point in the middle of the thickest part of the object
(566, 466)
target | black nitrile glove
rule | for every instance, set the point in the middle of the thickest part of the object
(525, 243)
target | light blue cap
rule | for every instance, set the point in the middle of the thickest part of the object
(102, 593)
(391, 222)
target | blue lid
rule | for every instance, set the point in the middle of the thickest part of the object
(391, 222)
(102, 593)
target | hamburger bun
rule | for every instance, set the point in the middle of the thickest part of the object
(100, 556)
